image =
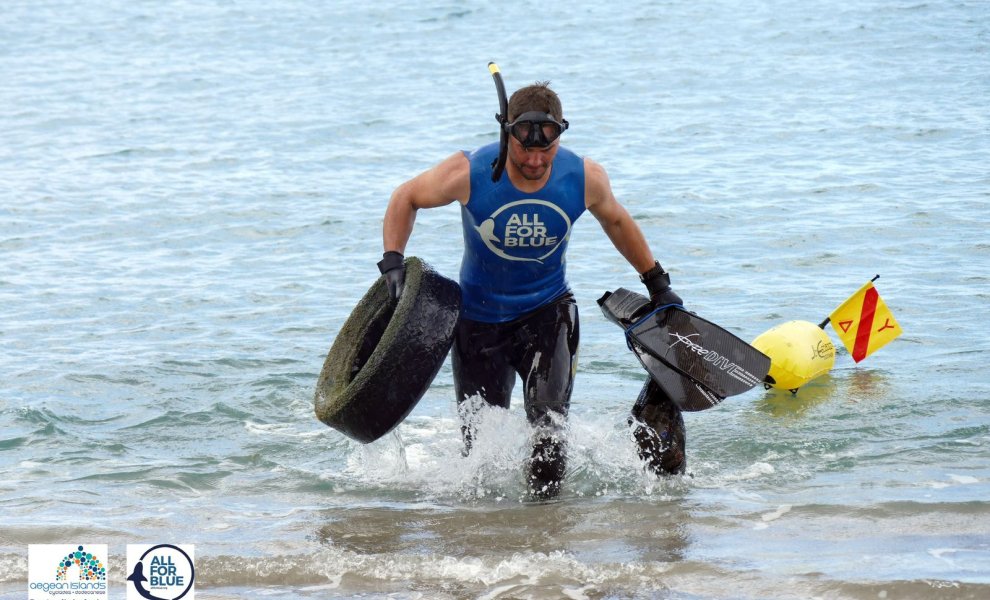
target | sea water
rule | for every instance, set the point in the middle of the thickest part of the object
(191, 199)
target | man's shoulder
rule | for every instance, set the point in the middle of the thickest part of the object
(482, 152)
(597, 186)
(453, 176)
(594, 173)
(592, 165)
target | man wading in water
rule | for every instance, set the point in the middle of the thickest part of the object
(519, 316)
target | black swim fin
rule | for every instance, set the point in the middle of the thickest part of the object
(697, 363)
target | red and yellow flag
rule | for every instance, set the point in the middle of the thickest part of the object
(864, 323)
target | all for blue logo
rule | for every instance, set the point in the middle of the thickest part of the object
(160, 572)
(525, 230)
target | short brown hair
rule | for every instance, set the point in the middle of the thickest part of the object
(539, 97)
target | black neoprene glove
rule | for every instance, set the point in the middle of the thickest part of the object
(657, 281)
(394, 270)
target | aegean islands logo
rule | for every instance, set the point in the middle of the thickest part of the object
(67, 571)
(160, 572)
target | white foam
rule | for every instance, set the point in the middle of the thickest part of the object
(963, 479)
(280, 429)
(754, 471)
(332, 585)
(946, 555)
(501, 575)
(782, 510)
(424, 456)
(953, 480)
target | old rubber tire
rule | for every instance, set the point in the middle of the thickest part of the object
(387, 354)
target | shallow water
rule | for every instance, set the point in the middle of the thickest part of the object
(191, 206)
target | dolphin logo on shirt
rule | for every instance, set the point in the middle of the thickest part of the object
(487, 232)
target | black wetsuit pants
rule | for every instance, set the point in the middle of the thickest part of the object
(541, 348)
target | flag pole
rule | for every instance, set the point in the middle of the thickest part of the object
(827, 319)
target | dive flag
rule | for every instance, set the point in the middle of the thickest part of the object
(864, 323)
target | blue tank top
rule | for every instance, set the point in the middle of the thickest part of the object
(514, 242)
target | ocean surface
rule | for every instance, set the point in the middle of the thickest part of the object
(191, 199)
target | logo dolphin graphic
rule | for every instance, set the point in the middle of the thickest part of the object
(138, 578)
(487, 232)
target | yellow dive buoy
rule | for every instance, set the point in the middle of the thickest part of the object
(799, 351)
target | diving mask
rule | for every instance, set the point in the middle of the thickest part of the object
(535, 129)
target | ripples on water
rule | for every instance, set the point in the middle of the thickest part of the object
(191, 205)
